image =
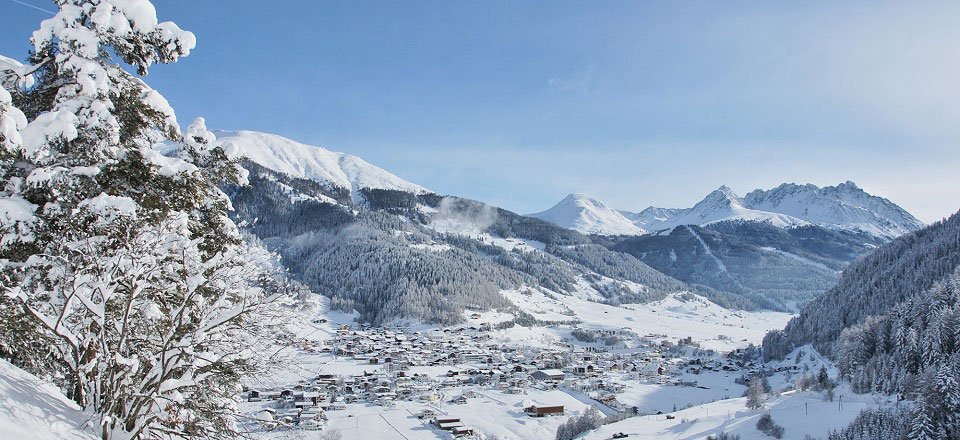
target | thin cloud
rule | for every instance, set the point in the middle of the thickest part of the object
(578, 82)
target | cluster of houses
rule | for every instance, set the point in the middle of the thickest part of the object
(471, 360)
(293, 409)
(399, 351)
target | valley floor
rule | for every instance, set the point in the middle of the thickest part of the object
(699, 389)
(699, 402)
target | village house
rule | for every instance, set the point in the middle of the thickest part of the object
(541, 411)
(542, 375)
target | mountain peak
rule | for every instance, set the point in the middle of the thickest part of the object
(844, 206)
(722, 196)
(588, 215)
(314, 163)
(848, 184)
(579, 197)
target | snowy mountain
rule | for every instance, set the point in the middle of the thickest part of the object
(332, 169)
(389, 249)
(720, 205)
(374, 241)
(844, 206)
(589, 216)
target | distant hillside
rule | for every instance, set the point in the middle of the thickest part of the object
(872, 286)
(389, 249)
(752, 264)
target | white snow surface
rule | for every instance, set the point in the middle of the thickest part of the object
(589, 216)
(313, 163)
(18, 72)
(33, 409)
(844, 206)
(800, 413)
(676, 316)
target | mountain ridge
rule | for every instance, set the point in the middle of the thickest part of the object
(319, 215)
(387, 249)
(335, 169)
(843, 206)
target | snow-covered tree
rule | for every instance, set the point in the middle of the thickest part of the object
(590, 419)
(755, 394)
(143, 301)
(922, 426)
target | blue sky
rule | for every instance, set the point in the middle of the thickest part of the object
(636, 103)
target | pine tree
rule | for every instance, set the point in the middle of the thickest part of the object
(947, 391)
(922, 426)
(136, 290)
(823, 379)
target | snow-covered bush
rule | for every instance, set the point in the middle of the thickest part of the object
(768, 427)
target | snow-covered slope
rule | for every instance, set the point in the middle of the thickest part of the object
(589, 216)
(802, 414)
(32, 409)
(844, 206)
(314, 163)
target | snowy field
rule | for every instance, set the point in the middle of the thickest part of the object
(712, 326)
(800, 413)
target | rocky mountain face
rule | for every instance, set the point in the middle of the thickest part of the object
(844, 206)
